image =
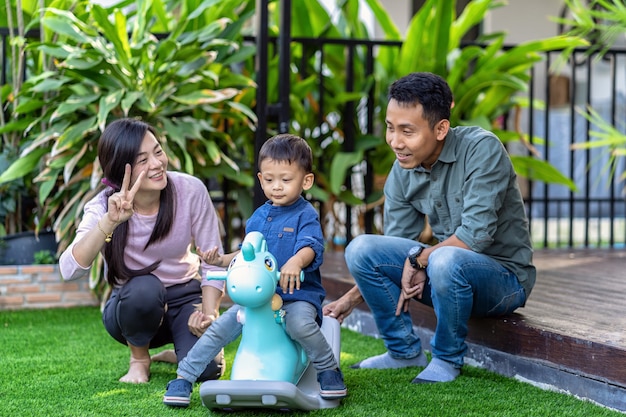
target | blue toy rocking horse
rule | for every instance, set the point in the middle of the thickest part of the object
(270, 370)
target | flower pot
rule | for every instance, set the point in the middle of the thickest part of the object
(19, 248)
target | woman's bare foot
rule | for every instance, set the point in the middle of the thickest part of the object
(138, 371)
(167, 355)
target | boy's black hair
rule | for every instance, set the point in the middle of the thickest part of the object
(288, 148)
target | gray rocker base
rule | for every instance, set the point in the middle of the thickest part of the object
(230, 395)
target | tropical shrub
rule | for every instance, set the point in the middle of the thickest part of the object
(486, 76)
(603, 22)
(169, 63)
(16, 197)
(173, 64)
(185, 67)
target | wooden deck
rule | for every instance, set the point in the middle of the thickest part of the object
(570, 335)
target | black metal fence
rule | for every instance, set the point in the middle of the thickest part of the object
(592, 216)
(558, 97)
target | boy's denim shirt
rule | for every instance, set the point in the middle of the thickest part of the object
(287, 229)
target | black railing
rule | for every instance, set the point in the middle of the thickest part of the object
(593, 216)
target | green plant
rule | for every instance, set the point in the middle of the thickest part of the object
(172, 64)
(9, 198)
(18, 208)
(113, 62)
(603, 22)
(487, 79)
(607, 138)
(43, 257)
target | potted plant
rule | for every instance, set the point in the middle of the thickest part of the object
(21, 232)
(26, 248)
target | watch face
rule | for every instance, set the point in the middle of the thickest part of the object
(415, 250)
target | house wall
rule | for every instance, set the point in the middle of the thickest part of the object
(41, 286)
(526, 20)
(522, 20)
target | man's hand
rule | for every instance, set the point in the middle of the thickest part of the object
(338, 309)
(341, 308)
(413, 283)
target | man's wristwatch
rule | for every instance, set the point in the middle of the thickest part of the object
(414, 253)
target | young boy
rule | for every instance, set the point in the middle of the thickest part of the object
(294, 236)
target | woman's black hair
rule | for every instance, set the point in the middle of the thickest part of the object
(119, 145)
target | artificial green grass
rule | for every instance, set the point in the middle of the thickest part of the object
(61, 362)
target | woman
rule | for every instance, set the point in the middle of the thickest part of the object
(145, 223)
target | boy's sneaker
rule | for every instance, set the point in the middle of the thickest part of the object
(178, 393)
(331, 385)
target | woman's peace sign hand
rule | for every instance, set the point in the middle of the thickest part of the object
(121, 202)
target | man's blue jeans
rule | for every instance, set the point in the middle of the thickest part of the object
(461, 283)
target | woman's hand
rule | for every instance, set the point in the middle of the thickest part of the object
(211, 256)
(121, 202)
(198, 322)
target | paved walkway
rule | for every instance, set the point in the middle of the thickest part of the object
(581, 293)
(571, 334)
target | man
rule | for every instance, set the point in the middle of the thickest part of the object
(463, 180)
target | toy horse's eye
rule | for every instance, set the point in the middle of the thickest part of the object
(269, 264)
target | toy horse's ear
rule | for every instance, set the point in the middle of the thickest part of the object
(248, 251)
